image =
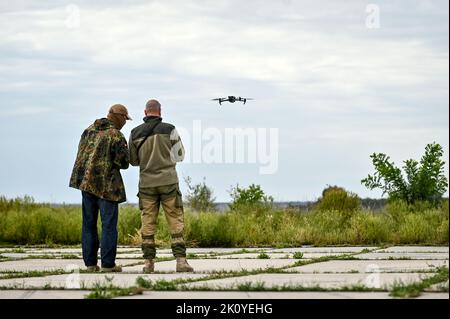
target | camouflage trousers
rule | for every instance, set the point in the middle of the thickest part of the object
(150, 200)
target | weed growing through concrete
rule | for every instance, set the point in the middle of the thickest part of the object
(402, 290)
(263, 256)
(298, 255)
(107, 290)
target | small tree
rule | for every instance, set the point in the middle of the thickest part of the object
(253, 195)
(200, 196)
(425, 181)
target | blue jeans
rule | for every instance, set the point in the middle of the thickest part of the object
(109, 212)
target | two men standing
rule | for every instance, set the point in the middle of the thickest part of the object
(102, 152)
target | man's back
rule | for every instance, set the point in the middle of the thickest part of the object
(102, 152)
(156, 148)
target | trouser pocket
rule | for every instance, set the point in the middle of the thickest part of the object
(179, 198)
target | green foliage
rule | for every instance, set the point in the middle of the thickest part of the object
(398, 223)
(337, 198)
(24, 222)
(108, 291)
(263, 255)
(44, 225)
(159, 285)
(200, 196)
(298, 255)
(143, 283)
(424, 181)
(251, 197)
(25, 203)
(251, 286)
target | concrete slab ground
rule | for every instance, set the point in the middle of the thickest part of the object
(368, 266)
(277, 255)
(140, 256)
(440, 287)
(208, 265)
(43, 294)
(429, 256)
(88, 281)
(15, 255)
(58, 252)
(378, 268)
(253, 256)
(333, 250)
(63, 254)
(415, 249)
(382, 280)
(50, 251)
(52, 264)
(275, 295)
(81, 294)
(75, 250)
(257, 295)
(208, 251)
(8, 249)
(220, 250)
(158, 255)
(434, 295)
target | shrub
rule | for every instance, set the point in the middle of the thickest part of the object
(415, 229)
(337, 198)
(200, 196)
(251, 196)
(371, 229)
(425, 181)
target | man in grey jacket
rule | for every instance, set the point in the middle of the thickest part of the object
(156, 147)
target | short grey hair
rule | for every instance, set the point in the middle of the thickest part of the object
(153, 106)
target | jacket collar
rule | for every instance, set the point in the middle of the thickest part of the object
(103, 124)
(150, 118)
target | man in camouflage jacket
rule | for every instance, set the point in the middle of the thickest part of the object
(102, 153)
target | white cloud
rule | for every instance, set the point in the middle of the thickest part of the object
(314, 68)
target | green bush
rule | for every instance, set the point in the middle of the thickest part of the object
(253, 196)
(370, 229)
(337, 198)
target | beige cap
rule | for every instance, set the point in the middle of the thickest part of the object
(119, 109)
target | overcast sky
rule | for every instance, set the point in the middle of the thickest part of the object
(337, 88)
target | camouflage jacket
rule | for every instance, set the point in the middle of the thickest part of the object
(102, 152)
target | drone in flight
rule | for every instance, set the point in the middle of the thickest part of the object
(232, 99)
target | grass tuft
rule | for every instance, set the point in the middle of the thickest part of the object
(402, 290)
